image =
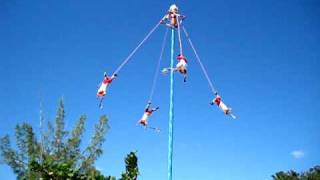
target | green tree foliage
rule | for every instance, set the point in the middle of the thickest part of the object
(132, 170)
(312, 174)
(94, 150)
(11, 157)
(57, 155)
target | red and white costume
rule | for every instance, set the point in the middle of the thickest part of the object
(181, 67)
(144, 119)
(182, 62)
(147, 113)
(217, 100)
(104, 85)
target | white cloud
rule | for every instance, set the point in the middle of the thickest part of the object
(297, 154)
(99, 168)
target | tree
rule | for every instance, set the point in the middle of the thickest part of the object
(312, 174)
(57, 155)
(132, 170)
(291, 175)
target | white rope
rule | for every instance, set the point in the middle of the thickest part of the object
(199, 61)
(179, 35)
(155, 78)
(135, 50)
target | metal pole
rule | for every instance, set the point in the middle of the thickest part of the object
(171, 108)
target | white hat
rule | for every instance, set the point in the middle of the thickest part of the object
(173, 8)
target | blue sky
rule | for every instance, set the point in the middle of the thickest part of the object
(263, 56)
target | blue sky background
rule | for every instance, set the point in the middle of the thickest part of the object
(263, 56)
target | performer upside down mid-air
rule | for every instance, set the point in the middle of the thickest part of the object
(217, 100)
(147, 113)
(107, 80)
(181, 67)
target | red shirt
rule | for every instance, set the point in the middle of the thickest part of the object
(107, 80)
(217, 100)
(181, 57)
(148, 111)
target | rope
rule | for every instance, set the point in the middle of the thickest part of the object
(179, 34)
(198, 59)
(155, 77)
(171, 112)
(154, 128)
(101, 102)
(135, 50)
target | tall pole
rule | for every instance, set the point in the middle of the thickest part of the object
(171, 108)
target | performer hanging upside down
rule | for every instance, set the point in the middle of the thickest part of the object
(181, 67)
(172, 16)
(217, 100)
(104, 85)
(147, 113)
